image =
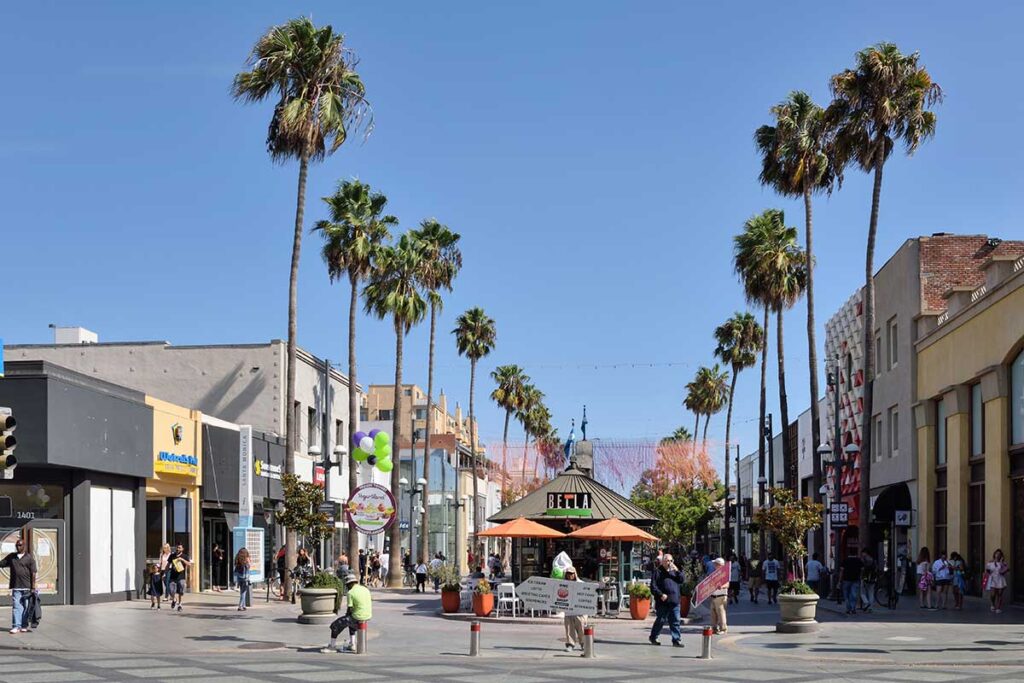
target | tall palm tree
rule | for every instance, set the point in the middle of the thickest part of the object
(714, 382)
(475, 335)
(680, 434)
(528, 414)
(355, 231)
(737, 342)
(798, 160)
(694, 401)
(320, 99)
(883, 100)
(441, 262)
(510, 381)
(393, 290)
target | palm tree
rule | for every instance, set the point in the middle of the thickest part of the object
(694, 401)
(394, 291)
(527, 414)
(797, 160)
(883, 100)
(714, 384)
(441, 262)
(475, 334)
(510, 381)
(320, 99)
(355, 231)
(680, 434)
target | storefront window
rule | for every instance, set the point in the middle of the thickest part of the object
(20, 504)
(1017, 400)
(179, 522)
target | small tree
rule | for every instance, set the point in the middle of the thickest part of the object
(302, 514)
(790, 519)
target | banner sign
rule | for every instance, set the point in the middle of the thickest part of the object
(839, 515)
(244, 476)
(371, 509)
(572, 597)
(569, 504)
(711, 583)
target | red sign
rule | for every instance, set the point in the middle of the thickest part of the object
(711, 583)
(319, 476)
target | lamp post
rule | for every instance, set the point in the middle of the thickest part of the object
(421, 484)
(455, 506)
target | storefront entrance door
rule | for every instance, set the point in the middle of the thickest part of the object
(1017, 558)
(216, 532)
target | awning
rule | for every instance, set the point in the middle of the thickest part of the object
(613, 530)
(522, 528)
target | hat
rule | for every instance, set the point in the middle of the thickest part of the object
(719, 561)
(350, 578)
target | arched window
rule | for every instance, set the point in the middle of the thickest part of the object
(1017, 399)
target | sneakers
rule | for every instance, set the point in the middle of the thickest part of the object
(179, 608)
(15, 630)
(653, 641)
(327, 650)
(676, 643)
(568, 647)
(347, 647)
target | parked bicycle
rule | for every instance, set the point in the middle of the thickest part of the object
(887, 593)
(301, 576)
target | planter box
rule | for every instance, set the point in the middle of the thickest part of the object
(483, 604)
(639, 608)
(798, 613)
(450, 601)
(684, 606)
(317, 605)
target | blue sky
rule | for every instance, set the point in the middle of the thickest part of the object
(596, 157)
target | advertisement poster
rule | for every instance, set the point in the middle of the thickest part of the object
(711, 583)
(371, 509)
(571, 597)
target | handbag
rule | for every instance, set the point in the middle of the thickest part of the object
(984, 581)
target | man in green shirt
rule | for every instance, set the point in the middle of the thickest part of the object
(360, 609)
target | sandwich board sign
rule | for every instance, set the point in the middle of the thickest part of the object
(557, 595)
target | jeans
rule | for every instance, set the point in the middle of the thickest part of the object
(815, 585)
(437, 583)
(851, 592)
(244, 589)
(666, 613)
(19, 598)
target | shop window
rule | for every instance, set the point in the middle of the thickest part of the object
(940, 521)
(154, 528)
(1017, 400)
(977, 421)
(940, 434)
(111, 540)
(975, 534)
(179, 523)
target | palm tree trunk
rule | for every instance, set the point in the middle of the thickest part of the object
(863, 509)
(291, 429)
(526, 451)
(472, 446)
(760, 428)
(504, 455)
(696, 429)
(424, 497)
(353, 413)
(812, 358)
(704, 437)
(395, 533)
(728, 446)
(787, 454)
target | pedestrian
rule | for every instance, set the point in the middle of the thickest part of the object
(421, 576)
(241, 577)
(943, 579)
(849, 579)
(217, 565)
(362, 566)
(179, 564)
(375, 570)
(770, 571)
(754, 585)
(995, 579)
(22, 567)
(281, 569)
(435, 570)
(734, 579)
(666, 591)
(360, 611)
(925, 578)
(719, 599)
(574, 624)
(959, 568)
(164, 563)
(868, 579)
(814, 571)
(342, 570)
(155, 586)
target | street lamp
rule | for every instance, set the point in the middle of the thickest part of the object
(421, 484)
(463, 501)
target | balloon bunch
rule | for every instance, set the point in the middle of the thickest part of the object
(374, 448)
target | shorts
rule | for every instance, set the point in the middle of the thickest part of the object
(943, 582)
(176, 586)
(772, 585)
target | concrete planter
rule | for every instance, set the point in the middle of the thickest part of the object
(798, 613)
(317, 605)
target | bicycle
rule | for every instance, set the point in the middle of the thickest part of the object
(409, 578)
(886, 595)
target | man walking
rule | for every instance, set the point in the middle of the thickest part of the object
(771, 570)
(23, 583)
(435, 569)
(814, 570)
(179, 564)
(666, 590)
(360, 610)
(849, 578)
(868, 579)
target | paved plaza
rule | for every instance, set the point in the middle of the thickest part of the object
(410, 641)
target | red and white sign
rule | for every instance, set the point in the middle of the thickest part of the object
(319, 476)
(711, 583)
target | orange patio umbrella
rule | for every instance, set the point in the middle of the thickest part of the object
(522, 528)
(612, 530)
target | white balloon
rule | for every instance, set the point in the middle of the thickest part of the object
(366, 445)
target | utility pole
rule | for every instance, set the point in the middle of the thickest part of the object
(325, 444)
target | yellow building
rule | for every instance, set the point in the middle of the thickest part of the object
(172, 494)
(970, 422)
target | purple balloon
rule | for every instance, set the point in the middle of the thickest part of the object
(373, 433)
(357, 437)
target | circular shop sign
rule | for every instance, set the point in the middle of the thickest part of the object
(371, 509)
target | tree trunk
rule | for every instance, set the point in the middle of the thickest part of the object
(696, 429)
(761, 425)
(728, 434)
(472, 447)
(504, 456)
(424, 498)
(787, 453)
(353, 416)
(863, 509)
(395, 532)
(704, 437)
(291, 429)
(812, 362)
(526, 451)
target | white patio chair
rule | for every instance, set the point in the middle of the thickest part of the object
(507, 599)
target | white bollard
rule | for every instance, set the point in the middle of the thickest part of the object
(588, 642)
(705, 645)
(474, 639)
(361, 638)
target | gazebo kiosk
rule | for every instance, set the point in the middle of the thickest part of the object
(572, 501)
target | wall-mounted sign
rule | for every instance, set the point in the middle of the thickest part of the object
(264, 469)
(371, 509)
(176, 463)
(569, 504)
(902, 518)
(319, 476)
(839, 515)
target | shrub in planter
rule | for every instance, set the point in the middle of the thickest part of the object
(320, 600)
(328, 580)
(685, 593)
(639, 600)
(483, 598)
(451, 588)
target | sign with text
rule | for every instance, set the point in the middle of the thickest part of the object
(572, 597)
(264, 469)
(569, 504)
(711, 583)
(839, 515)
(244, 476)
(371, 509)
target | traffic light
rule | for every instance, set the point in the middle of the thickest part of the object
(7, 440)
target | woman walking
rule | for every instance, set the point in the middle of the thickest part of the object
(421, 576)
(925, 578)
(959, 569)
(995, 579)
(164, 565)
(217, 563)
(241, 576)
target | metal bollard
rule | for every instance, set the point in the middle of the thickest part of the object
(361, 638)
(705, 644)
(588, 642)
(474, 639)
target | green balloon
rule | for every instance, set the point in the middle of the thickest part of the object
(382, 439)
(383, 451)
(385, 465)
(360, 455)
(557, 573)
